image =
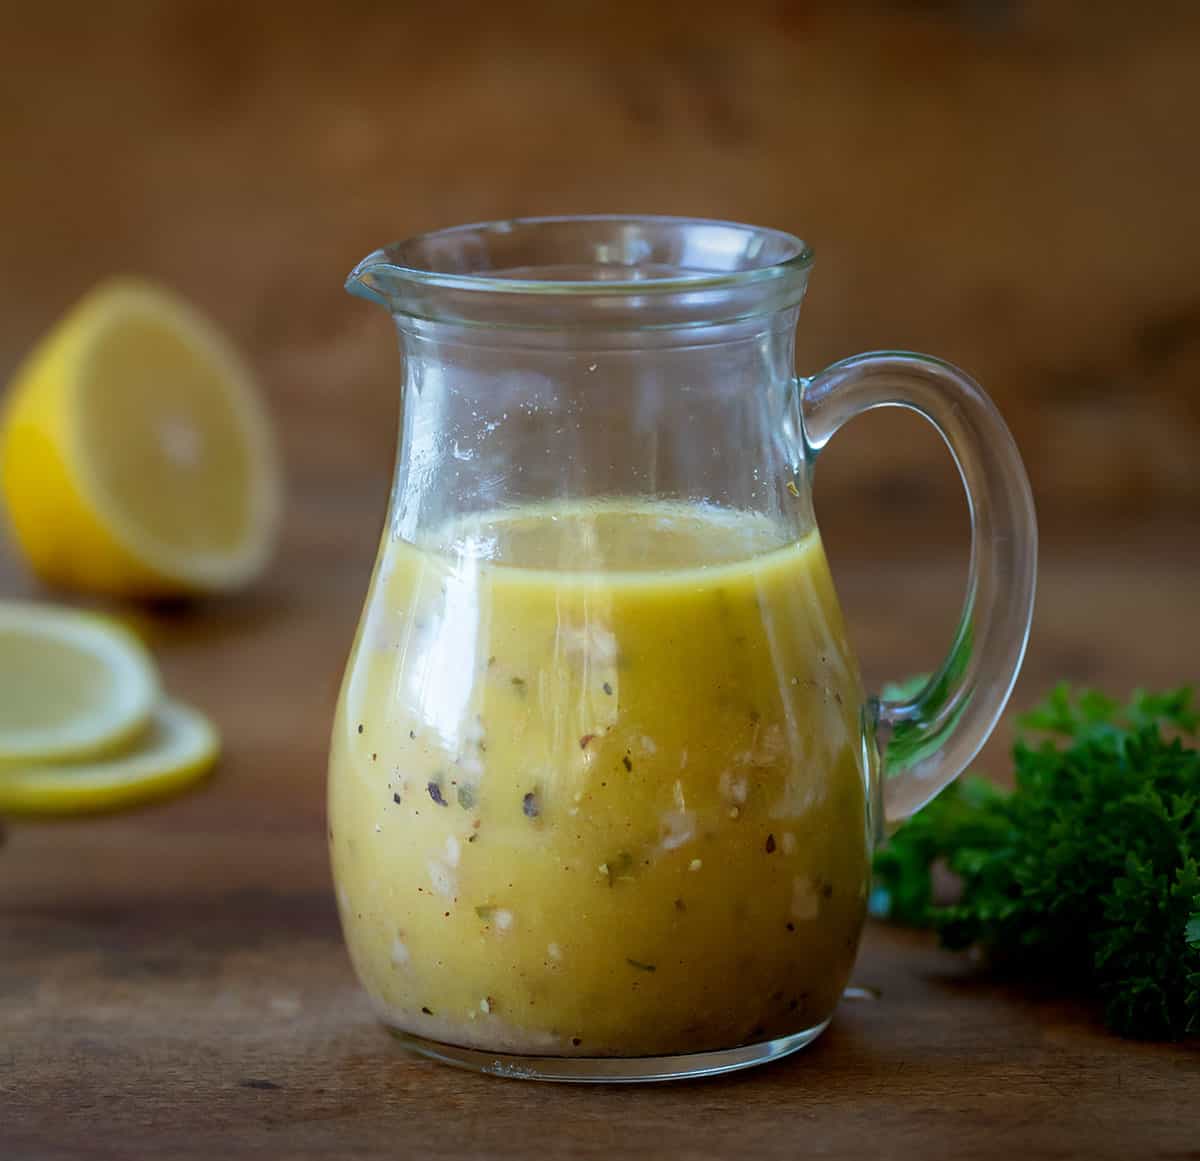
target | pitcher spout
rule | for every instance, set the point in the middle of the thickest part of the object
(373, 279)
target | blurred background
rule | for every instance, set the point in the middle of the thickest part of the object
(1012, 186)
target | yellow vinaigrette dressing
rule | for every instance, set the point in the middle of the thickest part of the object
(597, 783)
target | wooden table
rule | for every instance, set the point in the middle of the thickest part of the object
(173, 983)
(1011, 186)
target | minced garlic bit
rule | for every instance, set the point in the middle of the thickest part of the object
(453, 850)
(399, 952)
(788, 843)
(734, 787)
(734, 812)
(603, 869)
(502, 918)
(695, 865)
(554, 951)
(485, 1005)
(678, 827)
(441, 878)
(806, 904)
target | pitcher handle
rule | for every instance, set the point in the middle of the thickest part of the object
(933, 735)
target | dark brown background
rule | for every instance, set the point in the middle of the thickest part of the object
(1013, 186)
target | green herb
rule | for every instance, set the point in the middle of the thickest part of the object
(642, 967)
(466, 797)
(620, 867)
(1087, 872)
(485, 911)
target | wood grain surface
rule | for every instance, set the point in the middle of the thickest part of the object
(1012, 186)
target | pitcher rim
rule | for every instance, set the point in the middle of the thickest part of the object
(797, 262)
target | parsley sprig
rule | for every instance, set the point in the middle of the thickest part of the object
(1088, 871)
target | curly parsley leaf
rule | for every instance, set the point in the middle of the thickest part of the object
(1088, 871)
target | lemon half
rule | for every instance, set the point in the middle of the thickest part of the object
(136, 457)
(179, 747)
(72, 684)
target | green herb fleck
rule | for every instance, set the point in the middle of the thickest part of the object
(642, 967)
(466, 797)
(518, 683)
(485, 911)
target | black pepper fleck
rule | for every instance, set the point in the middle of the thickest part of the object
(627, 762)
(607, 689)
(396, 797)
(426, 1011)
(360, 728)
(575, 1041)
(531, 805)
(412, 735)
(435, 792)
(790, 925)
(827, 890)
(770, 844)
(642, 967)
(255, 1082)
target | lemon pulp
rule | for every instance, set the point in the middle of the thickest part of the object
(179, 747)
(135, 455)
(72, 685)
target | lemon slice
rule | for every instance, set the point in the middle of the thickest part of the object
(72, 684)
(178, 748)
(136, 457)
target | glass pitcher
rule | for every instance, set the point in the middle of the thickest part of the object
(604, 783)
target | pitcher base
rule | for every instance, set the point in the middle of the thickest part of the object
(611, 1069)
